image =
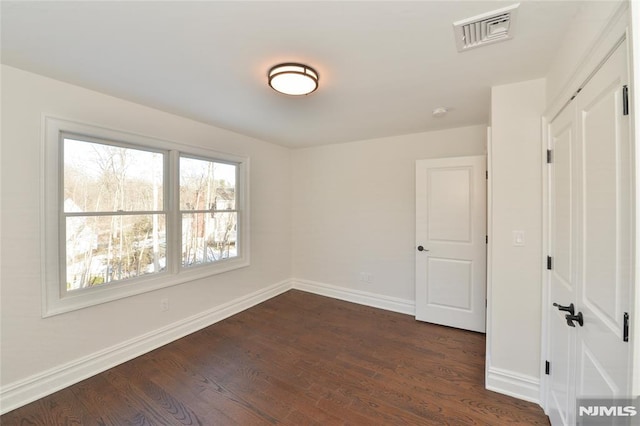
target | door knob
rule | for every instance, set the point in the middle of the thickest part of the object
(420, 248)
(569, 308)
(571, 318)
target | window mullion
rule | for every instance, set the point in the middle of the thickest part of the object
(209, 211)
(172, 180)
(115, 213)
(62, 219)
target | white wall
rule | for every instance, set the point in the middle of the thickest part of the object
(32, 345)
(514, 331)
(354, 209)
(584, 33)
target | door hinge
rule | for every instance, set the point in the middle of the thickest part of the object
(547, 368)
(486, 239)
(549, 155)
(625, 327)
(486, 174)
(549, 263)
(625, 100)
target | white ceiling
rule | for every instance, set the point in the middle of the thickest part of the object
(384, 66)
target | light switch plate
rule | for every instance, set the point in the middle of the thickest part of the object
(518, 238)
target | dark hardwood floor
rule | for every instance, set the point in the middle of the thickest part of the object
(297, 359)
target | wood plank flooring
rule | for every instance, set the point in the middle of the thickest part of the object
(297, 359)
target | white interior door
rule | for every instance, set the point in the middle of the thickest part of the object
(605, 274)
(590, 243)
(451, 242)
(562, 276)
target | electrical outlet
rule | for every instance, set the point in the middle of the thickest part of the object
(164, 304)
(366, 277)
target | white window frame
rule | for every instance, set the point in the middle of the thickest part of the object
(55, 297)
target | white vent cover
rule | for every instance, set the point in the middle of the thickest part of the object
(484, 29)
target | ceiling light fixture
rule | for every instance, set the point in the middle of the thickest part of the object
(293, 79)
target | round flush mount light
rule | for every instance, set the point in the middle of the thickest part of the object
(293, 79)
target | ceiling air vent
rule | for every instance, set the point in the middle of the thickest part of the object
(484, 29)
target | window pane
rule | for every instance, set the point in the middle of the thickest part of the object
(106, 178)
(207, 185)
(104, 249)
(208, 237)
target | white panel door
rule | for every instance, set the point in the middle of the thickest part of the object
(450, 242)
(605, 274)
(590, 228)
(562, 277)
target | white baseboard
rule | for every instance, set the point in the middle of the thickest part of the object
(513, 384)
(19, 393)
(389, 303)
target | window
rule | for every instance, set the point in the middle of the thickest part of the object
(125, 214)
(208, 211)
(114, 220)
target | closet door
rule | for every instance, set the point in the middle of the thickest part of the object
(590, 229)
(605, 274)
(562, 275)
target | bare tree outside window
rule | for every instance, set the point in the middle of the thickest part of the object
(114, 215)
(208, 211)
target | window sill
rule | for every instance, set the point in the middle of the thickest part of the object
(85, 298)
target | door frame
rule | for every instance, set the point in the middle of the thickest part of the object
(487, 358)
(614, 33)
(634, 79)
